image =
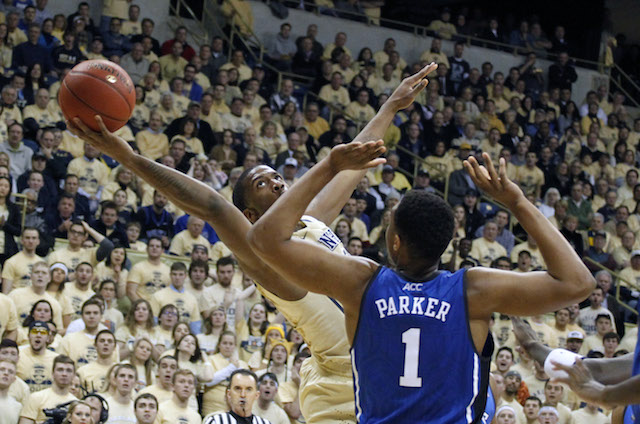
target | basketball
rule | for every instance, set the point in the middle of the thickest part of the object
(98, 87)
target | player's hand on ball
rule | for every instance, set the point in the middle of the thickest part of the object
(105, 141)
(410, 87)
(495, 184)
(357, 155)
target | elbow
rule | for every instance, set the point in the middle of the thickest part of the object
(585, 284)
(257, 239)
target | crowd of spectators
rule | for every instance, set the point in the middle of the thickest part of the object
(108, 287)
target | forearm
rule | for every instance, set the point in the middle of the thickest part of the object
(287, 214)
(94, 234)
(328, 203)
(537, 351)
(188, 194)
(610, 371)
(625, 393)
(104, 249)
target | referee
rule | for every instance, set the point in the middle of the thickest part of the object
(241, 393)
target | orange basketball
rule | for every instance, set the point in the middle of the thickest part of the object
(98, 87)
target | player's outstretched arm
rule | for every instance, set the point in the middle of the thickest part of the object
(310, 265)
(605, 370)
(566, 281)
(329, 202)
(190, 195)
(583, 383)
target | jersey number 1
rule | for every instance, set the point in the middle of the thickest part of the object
(411, 338)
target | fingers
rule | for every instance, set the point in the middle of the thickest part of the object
(495, 181)
(415, 78)
(81, 125)
(103, 127)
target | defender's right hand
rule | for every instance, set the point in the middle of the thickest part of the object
(105, 141)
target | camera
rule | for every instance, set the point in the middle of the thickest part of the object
(58, 414)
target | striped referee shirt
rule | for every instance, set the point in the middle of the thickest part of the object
(231, 418)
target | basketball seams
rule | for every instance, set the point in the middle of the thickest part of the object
(112, 86)
(88, 105)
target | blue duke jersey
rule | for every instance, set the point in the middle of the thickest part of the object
(413, 357)
(632, 413)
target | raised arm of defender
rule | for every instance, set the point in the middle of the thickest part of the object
(567, 280)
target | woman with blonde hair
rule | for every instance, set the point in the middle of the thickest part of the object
(139, 323)
(79, 413)
(551, 197)
(142, 360)
(123, 179)
(214, 326)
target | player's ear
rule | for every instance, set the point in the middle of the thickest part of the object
(395, 243)
(251, 214)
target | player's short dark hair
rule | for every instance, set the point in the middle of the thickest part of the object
(239, 191)
(424, 222)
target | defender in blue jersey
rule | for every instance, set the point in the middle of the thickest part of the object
(419, 338)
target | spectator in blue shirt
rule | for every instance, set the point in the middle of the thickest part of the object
(115, 44)
(25, 55)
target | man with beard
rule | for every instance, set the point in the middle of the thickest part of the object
(512, 382)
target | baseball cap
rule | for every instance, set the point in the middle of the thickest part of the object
(471, 192)
(603, 234)
(199, 247)
(388, 168)
(291, 162)
(276, 327)
(465, 146)
(193, 104)
(39, 324)
(635, 253)
(575, 335)
(513, 372)
(39, 155)
(423, 173)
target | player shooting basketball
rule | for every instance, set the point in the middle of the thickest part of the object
(433, 364)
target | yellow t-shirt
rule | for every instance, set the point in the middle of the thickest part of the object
(169, 412)
(213, 119)
(630, 278)
(110, 190)
(214, 399)
(80, 347)
(72, 258)
(92, 175)
(152, 145)
(529, 179)
(537, 261)
(339, 97)
(47, 398)
(244, 72)
(171, 67)
(8, 314)
(47, 117)
(77, 297)
(72, 144)
(120, 413)
(361, 114)
(116, 8)
(317, 127)
(185, 302)
(140, 116)
(161, 394)
(582, 416)
(18, 269)
(273, 413)
(149, 278)
(545, 333)
(131, 28)
(93, 376)
(485, 251)
(24, 299)
(182, 243)
(11, 113)
(34, 369)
